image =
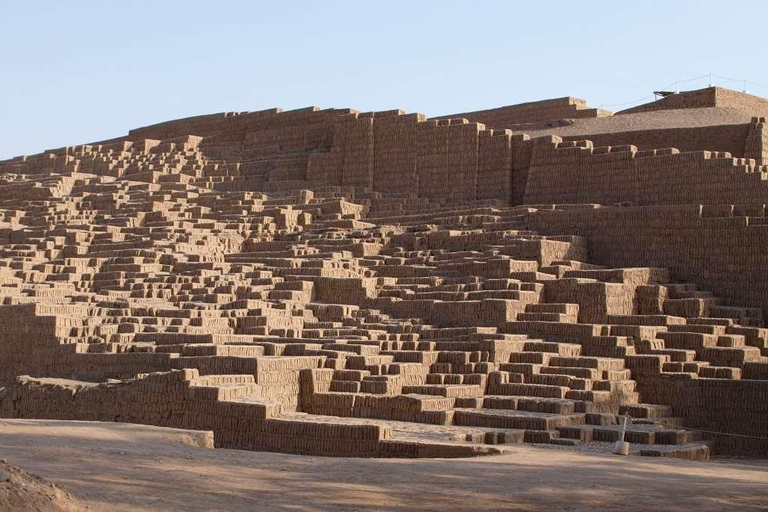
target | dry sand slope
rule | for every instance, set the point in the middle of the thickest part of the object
(23, 492)
(121, 467)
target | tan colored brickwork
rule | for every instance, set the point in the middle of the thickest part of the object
(346, 283)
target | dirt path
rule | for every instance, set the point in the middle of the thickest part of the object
(120, 467)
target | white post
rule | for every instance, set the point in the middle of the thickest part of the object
(710, 79)
(621, 447)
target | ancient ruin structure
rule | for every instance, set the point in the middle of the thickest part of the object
(382, 284)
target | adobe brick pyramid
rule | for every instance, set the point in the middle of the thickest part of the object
(381, 284)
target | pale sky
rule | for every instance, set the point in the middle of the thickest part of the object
(79, 71)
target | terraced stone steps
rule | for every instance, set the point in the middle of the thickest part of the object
(303, 305)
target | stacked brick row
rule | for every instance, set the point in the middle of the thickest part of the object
(535, 112)
(394, 153)
(395, 158)
(432, 159)
(170, 399)
(448, 161)
(494, 164)
(729, 138)
(703, 98)
(710, 405)
(719, 243)
(575, 172)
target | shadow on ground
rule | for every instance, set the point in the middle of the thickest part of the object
(134, 467)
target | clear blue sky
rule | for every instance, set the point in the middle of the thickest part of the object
(79, 71)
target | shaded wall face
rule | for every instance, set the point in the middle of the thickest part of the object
(709, 97)
(406, 155)
(689, 99)
(736, 407)
(580, 173)
(446, 161)
(728, 138)
(454, 162)
(494, 165)
(394, 166)
(718, 253)
(530, 113)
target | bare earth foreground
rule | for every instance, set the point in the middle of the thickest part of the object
(24, 492)
(121, 467)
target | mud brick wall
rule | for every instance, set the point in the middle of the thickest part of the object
(279, 378)
(450, 161)
(325, 168)
(288, 139)
(432, 159)
(487, 312)
(153, 399)
(565, 247)
(198, 125)
(350, 140)
(371, 151)
(171, 399)
(26, 343)
(395, 153)
(728, 138)
(494, 165)
(736, 99)
(522, 153)
(717, 247)
(709, 97)
(357, 168)
(733, 406)
(29, 346)
(688, 99)
(259, 136)
(726, 406)
(462, 149)
(756, 144)
(251, 135)
(578, 172)
(596, 300)
(447, 159)
(232, 126)
(529, 113)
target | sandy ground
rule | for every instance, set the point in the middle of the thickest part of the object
(120, 467)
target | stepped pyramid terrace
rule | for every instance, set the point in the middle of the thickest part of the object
(383, 284)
